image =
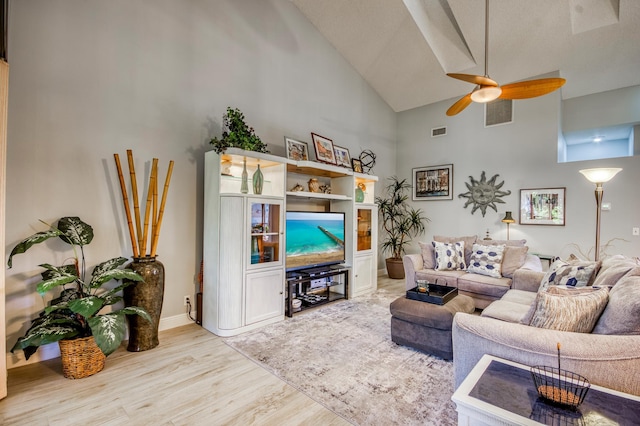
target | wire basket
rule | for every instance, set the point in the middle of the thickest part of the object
(560, 387)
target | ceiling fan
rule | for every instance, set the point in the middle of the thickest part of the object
(487, 90)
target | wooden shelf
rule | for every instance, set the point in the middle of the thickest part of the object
(318, 195)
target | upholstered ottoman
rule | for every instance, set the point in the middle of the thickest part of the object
(426, 326)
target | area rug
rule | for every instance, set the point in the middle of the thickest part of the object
(341, 355)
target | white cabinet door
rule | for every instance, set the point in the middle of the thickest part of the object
(265, 295)
(229, 282)
(363, 275)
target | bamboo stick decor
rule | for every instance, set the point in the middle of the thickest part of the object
(140, 233)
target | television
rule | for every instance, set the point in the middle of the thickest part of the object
(314, 239)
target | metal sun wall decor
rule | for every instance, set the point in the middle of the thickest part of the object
(483, 193)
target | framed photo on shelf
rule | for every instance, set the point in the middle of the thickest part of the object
(296, 150)
(433, 183)
(324, 149)
(342, 156)
(543, 206)
(356, 165)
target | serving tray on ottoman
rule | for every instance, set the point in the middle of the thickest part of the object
(437, 294)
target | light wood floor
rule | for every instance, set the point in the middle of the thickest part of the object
(192, 378)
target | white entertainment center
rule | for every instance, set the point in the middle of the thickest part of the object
(245, 283)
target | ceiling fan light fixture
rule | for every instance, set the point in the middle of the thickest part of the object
(486, 94)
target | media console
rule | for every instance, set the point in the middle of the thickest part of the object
(316, 286)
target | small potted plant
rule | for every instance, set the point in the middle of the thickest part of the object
(75, 319)
(236, 134)
(400, 222)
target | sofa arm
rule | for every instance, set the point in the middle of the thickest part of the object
(412, 263)
(526, 279)
(606, 360)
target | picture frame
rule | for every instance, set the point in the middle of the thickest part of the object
(342, 156)
(296, 150)
(543, 206)
(324, 149)
(356, 165)
(433, 183)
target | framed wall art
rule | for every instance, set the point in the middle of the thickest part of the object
(296, 150)
(433, 183)
(342, 156)
(324, 149)
(543, 206)
(356, 165)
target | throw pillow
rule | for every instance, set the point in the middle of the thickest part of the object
(428, 257)
(613, 271)
(622, 315)
(513, 258)
(573, 274)
(468, 244)
(486, 260)
(569, 311)
(449, 256)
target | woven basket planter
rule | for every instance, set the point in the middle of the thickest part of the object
(80, 357)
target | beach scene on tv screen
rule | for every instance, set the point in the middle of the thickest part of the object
(314, 239)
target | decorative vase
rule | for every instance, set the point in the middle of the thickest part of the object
(258, 181)
(147, 294)
(244, 188)
(314, 185)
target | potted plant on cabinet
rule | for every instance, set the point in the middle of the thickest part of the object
(236, 134)
(400, 222)
(73, 319)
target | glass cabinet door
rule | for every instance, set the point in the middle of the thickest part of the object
(364, 229)
(266, 238)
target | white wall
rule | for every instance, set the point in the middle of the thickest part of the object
(524, 155)
(93, 78)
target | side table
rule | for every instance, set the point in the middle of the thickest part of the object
(501, 392)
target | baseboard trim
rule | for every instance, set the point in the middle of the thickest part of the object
(52, 351)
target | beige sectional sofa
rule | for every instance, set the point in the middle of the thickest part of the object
(608, 356)
(482, 288)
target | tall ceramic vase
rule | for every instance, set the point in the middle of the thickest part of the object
(147, 294)
(258, 181)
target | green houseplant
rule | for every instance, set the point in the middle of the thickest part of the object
(400, 222)
(236, 134)
(76, 312)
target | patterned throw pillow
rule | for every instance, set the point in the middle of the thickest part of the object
(449, 256)
(572, 274)
(569, 309)
(486, 260)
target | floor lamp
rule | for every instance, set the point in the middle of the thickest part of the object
(599, 176)
(508, 220)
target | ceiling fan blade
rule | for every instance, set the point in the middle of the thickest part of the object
(531, 88)
(460, 105)
(475, 79)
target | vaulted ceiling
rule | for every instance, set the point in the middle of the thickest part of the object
(404, 48)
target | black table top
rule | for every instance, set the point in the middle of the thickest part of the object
(511, 388)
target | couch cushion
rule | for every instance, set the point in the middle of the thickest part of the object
(449, 256)
(428, 256)
(622, 314)
(486, 260)
(569, 273)
(613, 270)
(506, 310)
(566, 310)
(482, 284)
(513, 259)
(520, 296)
(468, 243)
(435, 276)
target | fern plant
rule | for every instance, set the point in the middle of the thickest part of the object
(76, 312)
